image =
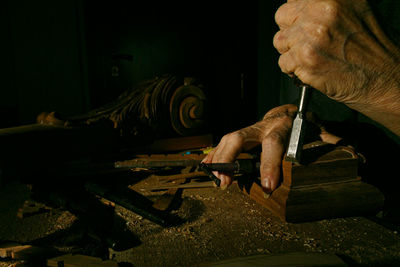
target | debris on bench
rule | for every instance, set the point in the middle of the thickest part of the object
(31, 208)
(77, 260)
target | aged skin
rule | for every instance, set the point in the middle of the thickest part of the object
(272, 133)
(337, 47)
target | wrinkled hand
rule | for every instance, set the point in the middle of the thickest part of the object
(272, 133)
(338, 47)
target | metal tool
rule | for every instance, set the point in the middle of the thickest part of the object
(239, 166)
(243, 166)
(203, 167)
(299, 124)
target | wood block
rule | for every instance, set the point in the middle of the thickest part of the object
(33, 253)
(325, 186)
(322, 163)
(7, 250)
(70, 260)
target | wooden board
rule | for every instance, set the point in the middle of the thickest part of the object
(7, 250)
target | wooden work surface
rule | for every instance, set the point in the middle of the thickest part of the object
(220, 225)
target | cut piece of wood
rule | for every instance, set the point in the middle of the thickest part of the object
(317, 202)
(161, 161)
(326, 164)
(7, 249)
(167, 160)
(31, 208)
(33, 253)
(181, 176)
(206, 184)
(165, 201)
(70, 260)
(325, 188)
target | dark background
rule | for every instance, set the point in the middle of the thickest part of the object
(72, 56)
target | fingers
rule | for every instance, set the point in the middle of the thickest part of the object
(280, 42)
(329, 138)
(285, 39)
(227, 150)
(287, 14)
(272, 132)
(288, 62)
(273, 147)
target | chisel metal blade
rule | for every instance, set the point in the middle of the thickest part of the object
(298, 129)
(296, 139)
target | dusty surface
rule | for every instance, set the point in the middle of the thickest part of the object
(218, 225)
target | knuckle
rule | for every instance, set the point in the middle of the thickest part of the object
(285, 64)
(275, 110)
(277, 40)
(281, 14)
(282, 64)
(320, 34)
(274, 138)
(309, 55)
(234, 137)
(329, 9)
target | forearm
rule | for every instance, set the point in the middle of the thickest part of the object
(339, 48)
(383, 105)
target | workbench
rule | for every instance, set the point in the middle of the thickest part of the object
(219, 225)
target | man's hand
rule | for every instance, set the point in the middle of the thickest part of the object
(272, 133)
(338, 47)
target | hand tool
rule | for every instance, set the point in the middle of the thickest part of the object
(299, 124)
(244, 166)
(239, 166)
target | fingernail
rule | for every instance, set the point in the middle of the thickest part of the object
(223, 187)
(267, 195)
(266, 184)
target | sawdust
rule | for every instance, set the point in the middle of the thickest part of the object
(216, 225)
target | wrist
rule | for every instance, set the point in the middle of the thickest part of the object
(382, 101)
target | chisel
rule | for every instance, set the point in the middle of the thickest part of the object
(299, 124)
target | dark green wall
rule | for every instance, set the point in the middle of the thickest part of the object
(43, 65)
(59, 55)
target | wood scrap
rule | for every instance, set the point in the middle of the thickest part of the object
(7, 249)
(19, 264)
(128, 199)
(207, 184)
(31, 208)
(165, 201)
(70, 260)
(33, 253)
(181, 176)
